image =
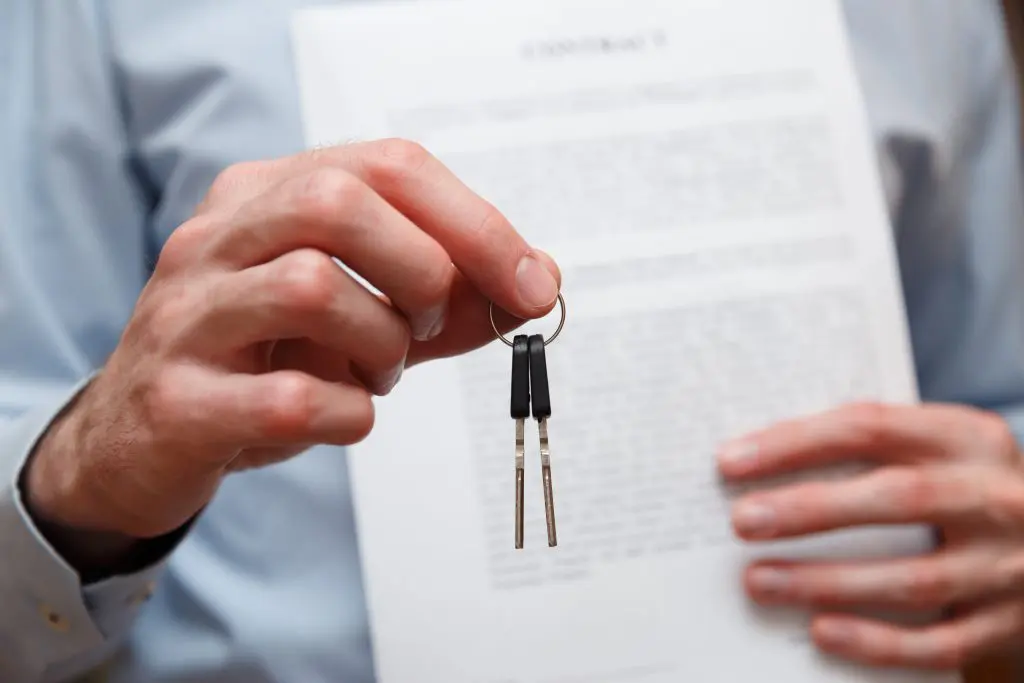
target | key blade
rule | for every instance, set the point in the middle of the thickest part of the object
(549, 494)
(520, 480)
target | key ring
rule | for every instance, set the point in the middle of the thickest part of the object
(561, 304)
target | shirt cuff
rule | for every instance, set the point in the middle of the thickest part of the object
(48, 616)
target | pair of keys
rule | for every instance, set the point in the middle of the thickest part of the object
(531, 397)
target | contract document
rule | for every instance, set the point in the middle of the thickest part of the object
(703, 173)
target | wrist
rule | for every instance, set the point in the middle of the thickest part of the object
(56, 493)
(53, 482)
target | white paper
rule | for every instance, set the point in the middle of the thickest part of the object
(703, 173)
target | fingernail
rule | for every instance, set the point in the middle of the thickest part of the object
(770, 581)
(738, 452)
(388, 382)
(438, 326)
(754, 519)
(834, 634)
(537, 287)
(429, 324)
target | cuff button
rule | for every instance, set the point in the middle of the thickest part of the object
(54, 620)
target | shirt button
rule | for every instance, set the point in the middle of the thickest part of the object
(53, 619)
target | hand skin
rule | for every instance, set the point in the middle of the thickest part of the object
(249, 344)
(951, 467)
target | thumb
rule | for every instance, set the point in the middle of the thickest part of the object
(468, 326)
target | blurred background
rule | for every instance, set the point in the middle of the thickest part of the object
(1015, 19)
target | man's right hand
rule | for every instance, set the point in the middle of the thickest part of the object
(249, 344)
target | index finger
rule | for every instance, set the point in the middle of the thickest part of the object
(481, 242)
(874, 432)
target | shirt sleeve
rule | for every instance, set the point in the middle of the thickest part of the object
(965, 202)
(73, 259)
(50, 619)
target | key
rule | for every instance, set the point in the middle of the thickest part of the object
(540, 405)
(530, 396)
(520, 410)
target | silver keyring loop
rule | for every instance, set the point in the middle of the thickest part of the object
(558, 330)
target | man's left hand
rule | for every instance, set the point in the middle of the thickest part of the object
(955, 468)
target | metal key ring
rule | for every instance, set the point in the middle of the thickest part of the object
(561, 304)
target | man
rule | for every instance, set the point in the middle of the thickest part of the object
(173, 324)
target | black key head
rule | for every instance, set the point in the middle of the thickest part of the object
(539, 378)
(520, 405)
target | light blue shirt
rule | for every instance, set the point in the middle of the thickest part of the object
(116, 117)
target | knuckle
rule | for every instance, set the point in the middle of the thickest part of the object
(929, 586)
(399, 158)
(435, 280)
(230, 180)
(997, 437)
(307, 280)
(183, 245)
(327, 194)
(1000, 503)
(161, 400)
(911, 490)
(811, 503)
(165, 316)
(870, 422)
(1009, 573)
(289, 407)
(493, 221)
(819, 586)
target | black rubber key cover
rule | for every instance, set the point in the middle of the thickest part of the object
(539, 379)
(520, 406)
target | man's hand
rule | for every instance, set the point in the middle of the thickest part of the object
(250, 344)
(955, 468)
